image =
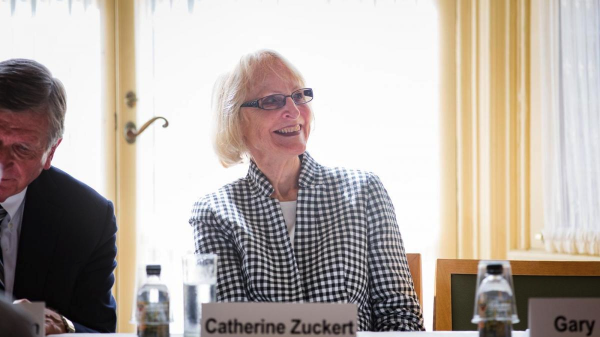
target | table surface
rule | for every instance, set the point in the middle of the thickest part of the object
(360, 334)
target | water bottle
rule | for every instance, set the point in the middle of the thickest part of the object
(153, 315)
(494, 304)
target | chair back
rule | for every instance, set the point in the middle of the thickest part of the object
(455, 286)
(414, 264)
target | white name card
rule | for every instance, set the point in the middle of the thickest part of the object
(278, 319)
(564, 317)
(36, 312)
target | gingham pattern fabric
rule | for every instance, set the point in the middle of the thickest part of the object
(347, 245)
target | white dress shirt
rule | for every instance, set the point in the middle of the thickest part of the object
(10, 230)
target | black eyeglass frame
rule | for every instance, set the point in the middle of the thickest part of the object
(307, 92)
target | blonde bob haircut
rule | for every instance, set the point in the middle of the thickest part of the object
(230, 92)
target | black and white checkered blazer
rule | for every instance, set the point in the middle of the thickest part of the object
(347, 245)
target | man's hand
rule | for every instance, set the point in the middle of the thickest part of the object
(53, 321)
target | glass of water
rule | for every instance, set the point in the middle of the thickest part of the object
(199, 286)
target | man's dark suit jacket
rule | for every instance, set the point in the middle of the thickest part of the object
(67, 251)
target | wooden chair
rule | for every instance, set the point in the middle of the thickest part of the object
(414, 265)
(455, 287)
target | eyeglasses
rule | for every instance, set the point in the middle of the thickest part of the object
(272, 102)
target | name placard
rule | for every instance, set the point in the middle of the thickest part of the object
(278, 319)
(564, 317)
(36, 312)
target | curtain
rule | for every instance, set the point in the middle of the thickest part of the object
(571, 132)
(492, 123)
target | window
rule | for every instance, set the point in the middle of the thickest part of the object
(373, 66)
(67, 38)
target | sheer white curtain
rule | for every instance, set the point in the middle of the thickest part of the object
(572, 128)
(65, 36)
(373, 67)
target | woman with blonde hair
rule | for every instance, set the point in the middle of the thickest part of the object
(293, 230)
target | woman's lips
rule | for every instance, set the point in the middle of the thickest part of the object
(289, 131)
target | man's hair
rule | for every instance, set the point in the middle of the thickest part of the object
(28, 86)
(229, 93)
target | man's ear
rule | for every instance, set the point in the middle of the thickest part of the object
(50, 155)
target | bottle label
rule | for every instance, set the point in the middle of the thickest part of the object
(495, 306)
(153, 330)
(153, 319)
(152, 313)
(495, 309)
(495, 329)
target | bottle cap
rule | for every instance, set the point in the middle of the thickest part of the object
(494, 269)
(153, 269)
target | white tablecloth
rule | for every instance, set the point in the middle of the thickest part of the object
(360, 334)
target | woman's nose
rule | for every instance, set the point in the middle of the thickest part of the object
(291, 109)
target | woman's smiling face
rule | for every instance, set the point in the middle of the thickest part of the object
(275, 133)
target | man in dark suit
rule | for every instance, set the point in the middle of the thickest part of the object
(57, 234)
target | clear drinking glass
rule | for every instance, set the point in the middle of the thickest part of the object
(495, 308)
(199, 286)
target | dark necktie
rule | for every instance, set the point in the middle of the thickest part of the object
(2, 215)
